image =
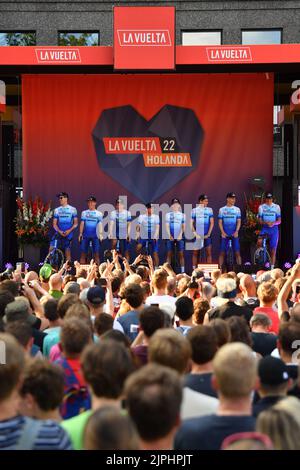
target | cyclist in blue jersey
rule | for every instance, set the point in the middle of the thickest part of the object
(148, 233)
(90, 223)
(65, 221)
(230, 224)
(269, 215)
(119, 228)
(202, 224)
(175, 226)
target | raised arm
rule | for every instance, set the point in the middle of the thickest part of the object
(285, 291)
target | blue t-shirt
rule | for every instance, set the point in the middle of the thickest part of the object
(120, 219)
(148, 225)
(52, 338)
(208, 432)
(91, 220)
(201, 216)
(175, 220)
(65, 216)
(269, 213)
(229, 216)
(51, 436)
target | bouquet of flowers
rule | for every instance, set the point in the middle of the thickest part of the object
(251, 226)
(32, 221)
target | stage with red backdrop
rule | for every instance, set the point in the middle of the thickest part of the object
(206, 133)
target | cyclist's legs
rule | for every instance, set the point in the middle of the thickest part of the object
(195, 258)
(197, 243)
(208, 247)
(114, 242)
(126, 254)
(236, 249)
(180, 250)
(124, 248)
(139, 247)
(155, 259)
(84, 246)
(273, 241)
(155, 247)
(96, 249)
(170, 246)
(68, 254)
(223, 249)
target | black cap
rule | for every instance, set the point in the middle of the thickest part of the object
(62, 194)
(202, 197)
(148, 205)
(269, 196)
(96, 295)
(272, 371)
(91, 198)
(175, 200)
(230, 195)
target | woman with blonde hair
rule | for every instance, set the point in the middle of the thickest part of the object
(282, 424)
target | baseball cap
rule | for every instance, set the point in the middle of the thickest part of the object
(269, 196)
(92, 198)
(230, 195)
(62, 194)
(175, 200)
(18, 311)
(272, 371)
(45, 271)
(96, 295)
(226, 288)
(202, 197)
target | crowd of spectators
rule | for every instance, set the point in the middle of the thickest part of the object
(127, 357)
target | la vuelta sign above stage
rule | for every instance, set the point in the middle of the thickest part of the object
(54, 55)
(144, 38)
(229, 54)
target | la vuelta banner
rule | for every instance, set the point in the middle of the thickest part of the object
(150, 137)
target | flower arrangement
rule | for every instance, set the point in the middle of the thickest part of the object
(32, 221)
(251, 226)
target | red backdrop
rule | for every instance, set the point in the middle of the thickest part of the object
(61, 111)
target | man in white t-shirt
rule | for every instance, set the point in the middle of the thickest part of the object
(159, 286)
(170, 348)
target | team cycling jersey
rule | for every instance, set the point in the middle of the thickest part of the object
(148, 225)
(91, 220)
(269, 213)
(120, 219)
(65, 216)
(175, 221)
(201, 216)
(229, 216)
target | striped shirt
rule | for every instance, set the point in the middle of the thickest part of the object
(51, 436)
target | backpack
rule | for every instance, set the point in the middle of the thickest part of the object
(76, 397)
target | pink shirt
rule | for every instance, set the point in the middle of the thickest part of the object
(55, 353)
(272, 314)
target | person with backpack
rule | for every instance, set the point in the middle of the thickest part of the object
(75, 335)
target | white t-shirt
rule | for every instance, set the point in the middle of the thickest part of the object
(197, 404)
(160, 299)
